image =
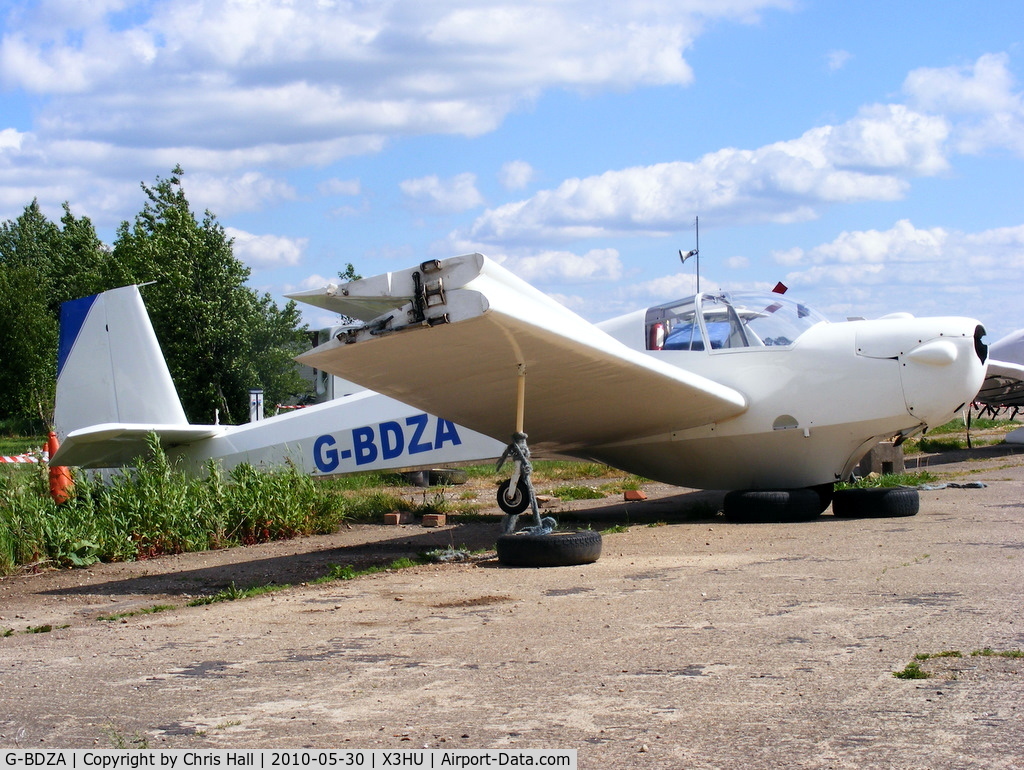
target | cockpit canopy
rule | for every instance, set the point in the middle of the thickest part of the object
(728, 322)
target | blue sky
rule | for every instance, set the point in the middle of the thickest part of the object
(870, 155)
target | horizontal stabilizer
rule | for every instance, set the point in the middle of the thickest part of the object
(122, 444)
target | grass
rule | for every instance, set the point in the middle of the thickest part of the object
(146, 611)
(17, 445)
(154, 511)
(913, 670)
(891, 480)
(576, 492)
(158, 510)
(953, 435)
(944, 654)
(233, 593)
(988, 652)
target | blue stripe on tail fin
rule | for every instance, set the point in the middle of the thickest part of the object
(72, 316)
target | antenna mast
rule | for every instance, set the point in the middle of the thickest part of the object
(694, 253)
(696, 225)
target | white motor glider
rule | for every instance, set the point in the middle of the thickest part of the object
(114, 389)
(755, 393)
(1004, 382)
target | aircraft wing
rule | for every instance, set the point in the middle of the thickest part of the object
(1003, 385)
(117, 444)
(455, 346)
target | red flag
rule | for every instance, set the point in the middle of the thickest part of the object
(780, 288)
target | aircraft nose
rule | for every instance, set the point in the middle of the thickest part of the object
(944, 370)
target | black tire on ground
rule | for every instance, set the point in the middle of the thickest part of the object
(444, 477)
(825, 493)
(518, 503)
(875, 502)
(745, 506)
(555, 549)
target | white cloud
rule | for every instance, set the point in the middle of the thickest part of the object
(226, 195)
(836, 60)
(227, 73)
(989, 112)
(265, 251)
(515, 175)
(340, 187)
(737, 263)
(442, 196)
(926, 271)
(669, 287)
(866, 158)
(564, 267)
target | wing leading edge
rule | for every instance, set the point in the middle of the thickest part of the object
(455, 347)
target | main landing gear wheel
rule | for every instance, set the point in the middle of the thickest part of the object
(746, 506)
(554, 549)
(519, 500)
(876, 503)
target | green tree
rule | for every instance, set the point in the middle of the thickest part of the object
(41, 265)
(219, 337)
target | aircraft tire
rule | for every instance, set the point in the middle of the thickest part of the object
(555, 549)
(876, 503)
(748, 506)
(518, 503)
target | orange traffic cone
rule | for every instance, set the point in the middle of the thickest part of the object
(60, 476)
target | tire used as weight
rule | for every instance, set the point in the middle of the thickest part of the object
(875, 503)
(746, 506)
(555, 549)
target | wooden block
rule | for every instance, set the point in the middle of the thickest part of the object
(403, 517)
(434, 520)
(634, 494)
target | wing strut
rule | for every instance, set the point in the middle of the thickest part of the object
(517, 494)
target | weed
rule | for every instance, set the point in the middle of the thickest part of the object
(44, 629)
(889, 480)
(157, 510)
(912, 671)
(616, 529)
(338, 572)
(8, 632)
(233, 593)
(145, 611)
(944, 654)
(120, 742)
(576, 492)
(349, 572)
(988, 652)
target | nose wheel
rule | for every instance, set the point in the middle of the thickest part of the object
(513, 500)
(537, 545)
(516, 494)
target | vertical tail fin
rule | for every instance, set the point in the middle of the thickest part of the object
(109, 365)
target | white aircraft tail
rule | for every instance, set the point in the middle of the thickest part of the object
(109, 365)
(114, 390)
